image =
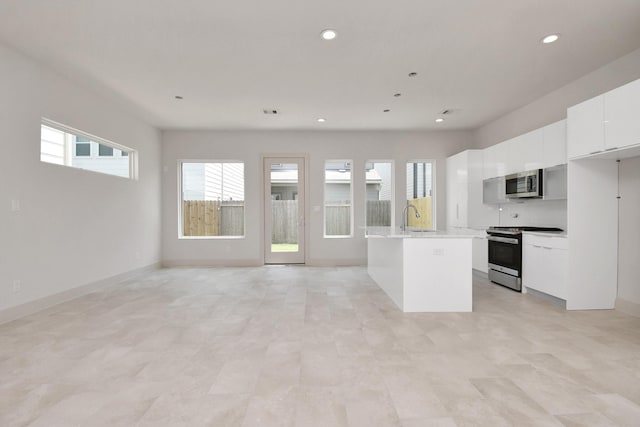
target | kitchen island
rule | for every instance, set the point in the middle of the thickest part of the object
(422, 271)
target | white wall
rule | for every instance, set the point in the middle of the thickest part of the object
(629, 221)
(320, 146)
(539, 213)
(553, 106)
(74, 227)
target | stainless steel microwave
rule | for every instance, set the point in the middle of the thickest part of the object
(524, 184)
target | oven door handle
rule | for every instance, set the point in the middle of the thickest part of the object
(503, 240)
(512, 233)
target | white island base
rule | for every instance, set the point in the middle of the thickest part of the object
(423, 274)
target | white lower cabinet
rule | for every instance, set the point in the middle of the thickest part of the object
(480, 254)
(545, 264)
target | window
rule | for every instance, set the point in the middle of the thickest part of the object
(104, 150)
(379, 199)
(337, 199)
(62, 145)
(420, 194)
(83, 150)
(212, 202)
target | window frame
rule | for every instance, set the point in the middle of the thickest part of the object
(69, 151)
(324, 200)
(180, 224)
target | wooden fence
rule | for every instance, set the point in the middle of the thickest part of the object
(337, 220)
(424, 205)
(378, 213)
(215, 218)
(284, 221)
(212, 218)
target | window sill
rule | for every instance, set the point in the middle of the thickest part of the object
(211, 237)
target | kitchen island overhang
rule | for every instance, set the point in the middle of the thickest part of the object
(422, 271)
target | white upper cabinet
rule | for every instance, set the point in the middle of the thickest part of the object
(525, 152)
(554, 139)
(538, 149)
(489, 170)
(607, 122)
(495, 160)
(585, 128)
(622, 116)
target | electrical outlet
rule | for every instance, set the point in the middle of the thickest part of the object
(17, 286)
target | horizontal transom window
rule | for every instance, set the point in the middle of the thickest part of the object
(65, 146)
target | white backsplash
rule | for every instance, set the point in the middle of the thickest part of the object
(532, 212)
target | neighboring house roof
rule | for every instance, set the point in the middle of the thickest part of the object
(334, 177)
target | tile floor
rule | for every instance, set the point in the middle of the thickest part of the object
(301, 346)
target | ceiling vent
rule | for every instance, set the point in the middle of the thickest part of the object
(270, 111)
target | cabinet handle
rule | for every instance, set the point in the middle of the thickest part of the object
(594, 152)
(537, 246)
(546, 247)
(612, 148)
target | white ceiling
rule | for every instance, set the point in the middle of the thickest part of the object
(231, 59)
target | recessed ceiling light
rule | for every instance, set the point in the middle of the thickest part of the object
(397, 95)
(321, 120)
(328, 34)
(550, 38)
(386, 111)
(439, 120)
(413, 74)
(178, 97)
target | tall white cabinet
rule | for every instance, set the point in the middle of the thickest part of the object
(465, 208)
(464, 192)
(601, 131)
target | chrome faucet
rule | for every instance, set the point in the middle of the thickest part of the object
(404, 215)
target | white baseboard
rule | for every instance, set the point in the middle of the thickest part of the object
(628, 307)
(31, 307)
(203, 263)
(480, 273)
(258, 262)
(354, 262)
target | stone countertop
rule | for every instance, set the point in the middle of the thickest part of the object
(452, 233)
(547, 233)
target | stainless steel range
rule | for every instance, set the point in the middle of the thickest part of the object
(505, 254)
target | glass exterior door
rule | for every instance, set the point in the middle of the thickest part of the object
(284, 212)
